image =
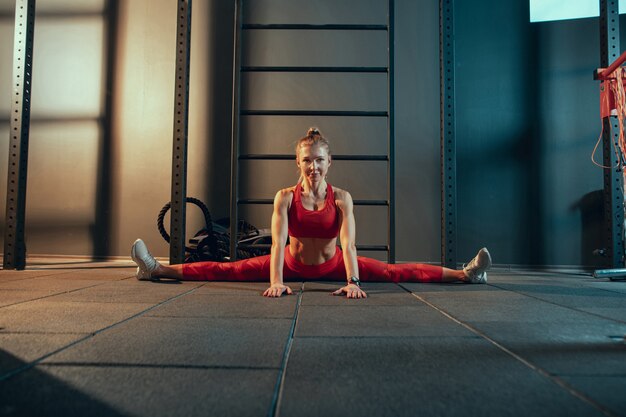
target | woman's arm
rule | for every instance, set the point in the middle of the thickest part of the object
(279, 240)
(347, 237)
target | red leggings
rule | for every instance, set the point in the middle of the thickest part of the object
(258, 269)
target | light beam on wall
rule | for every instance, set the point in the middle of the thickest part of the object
(547, 10)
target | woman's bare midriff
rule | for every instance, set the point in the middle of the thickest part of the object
(312, 251)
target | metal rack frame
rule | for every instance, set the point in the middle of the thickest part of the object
(613, 179)
(448, 134)
(14, 245)
(180, 131)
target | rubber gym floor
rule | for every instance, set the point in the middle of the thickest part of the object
(88, 339)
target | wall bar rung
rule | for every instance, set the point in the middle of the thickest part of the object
(298, 26)
(315, 69)
(313, 113)
(370, 202)
(289, 157)
(254, 246)
(255, 201)
(355, 202)
(373, 248)
(179, 146)
(377, 248)
(14, 244)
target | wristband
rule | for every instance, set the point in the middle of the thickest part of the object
(354, 280)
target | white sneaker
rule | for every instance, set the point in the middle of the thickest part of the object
(476, 269)
(146, 264)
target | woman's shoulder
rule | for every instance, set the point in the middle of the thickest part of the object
(341, 195)
(284, 196)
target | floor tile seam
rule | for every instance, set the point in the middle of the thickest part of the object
(53, 295)
(77, 267)
(544, 373)
(156, 316)
(590, 375)
(544, 273)
(88, 336)
(576, 287)
(80, 289)
(207, 294)
(166, 282)
(578, 310)
(362, 305)
(109, 302)
(113, 365)
(37, 276)
(43, 333)
(385, 337)
(2, 282)
(612, 291)
(128, 278)
(566, 307)
(277, 396)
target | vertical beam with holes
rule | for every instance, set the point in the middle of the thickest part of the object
(234, 167)
(391, 139)
(179, 149)
(613, 178)
(14, 246)
(448, 134)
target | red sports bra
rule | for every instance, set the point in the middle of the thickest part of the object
(322, 224)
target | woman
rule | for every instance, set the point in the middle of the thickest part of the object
(313, 214)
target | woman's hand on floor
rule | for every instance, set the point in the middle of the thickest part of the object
(277, 290)
(351, 291)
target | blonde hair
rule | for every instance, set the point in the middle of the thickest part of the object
(313, 137)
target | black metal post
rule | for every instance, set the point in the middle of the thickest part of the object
(613, 178)
(14, 245)
(181, 118)
(448, 134)
(391, 140)
(234, 167)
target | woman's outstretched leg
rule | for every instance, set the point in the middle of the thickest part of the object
(253, 269)
(474, 272)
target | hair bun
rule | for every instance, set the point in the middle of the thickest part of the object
(313, 131)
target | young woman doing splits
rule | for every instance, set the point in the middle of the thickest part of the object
(313, 214)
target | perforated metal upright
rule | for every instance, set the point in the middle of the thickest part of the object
(448, 134)
(14, 245)
(237, 112)
(234, 165)
(179, 147)
(613, 179)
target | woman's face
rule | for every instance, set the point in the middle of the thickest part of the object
(313, 161)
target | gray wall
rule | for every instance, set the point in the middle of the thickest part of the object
(527, 120)
(69, 120)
